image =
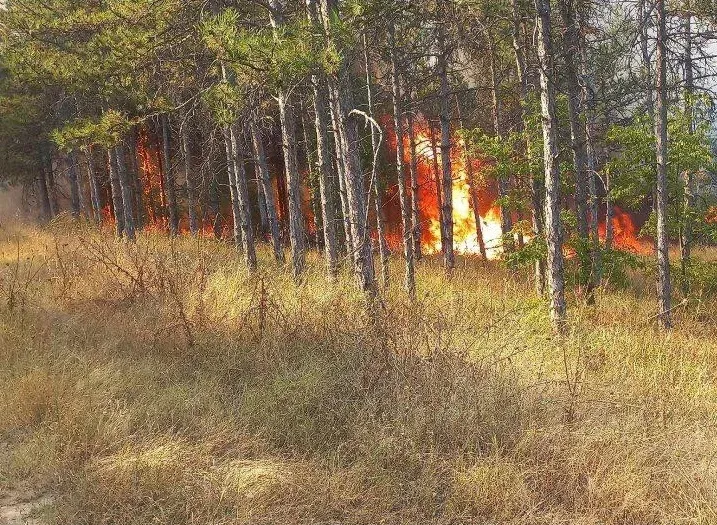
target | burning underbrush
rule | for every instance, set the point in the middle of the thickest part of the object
(159, 383)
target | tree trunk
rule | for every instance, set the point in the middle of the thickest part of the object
(687, 178)
(51, 188)
(242, 197)
(663, 257)
(72, 175)
(116, 190)
(213, 193)
(169, 187)
(267, 190)
(95, 196)
(313, 179)
(236, 208)
(43, 195)
(189, 177)
(445, 118)
(554, 234)
(437, 180)
(378, 188)
(293, 178)
(410, 278)
(415, 202)
(126, 189)
(348, 152)
(571, 50)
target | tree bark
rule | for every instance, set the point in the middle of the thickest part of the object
(410, 278)
(51, 188)
(571, 51)
(663, 257)
(554, 234)
(94, 186)
(687, 177)
(126, 190)
(236, 208)
(189, 180)
(415, 201)
(242, 197)
(72, 175)
(449, 261)
(169, 187)
(437, 179)
(378, 188)
(116, 190)
(267, 190)
(43, 195)
(291, 168)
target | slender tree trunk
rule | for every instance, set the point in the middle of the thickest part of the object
(169, 187)
(139, 194)
(189, 177)
(554, 234)
(236, 208)
(571, 52)
(74, 185)
(609, 213)
(116, 190)
(126, 190)
(293, 178)
(449, 261)
(51, 188)
(415, 201)
(313, 177)
(267, 190)
(377, 187)
(94, 186)
(687, 178)
(410, 278)
(663, 257)
(242, 197)
(472, 185)
(348, 152)
(213, 197)
(43, 196)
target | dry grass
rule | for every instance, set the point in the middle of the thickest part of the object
(161, 384)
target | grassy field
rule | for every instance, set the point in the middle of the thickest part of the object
(159, 384)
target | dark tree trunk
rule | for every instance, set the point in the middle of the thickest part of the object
(72, 175)
(43, 196)
(415, 201)
(189, 180)
(126, 190)
(95, 195)
(169, 187)
(116, 189)
(236, 208)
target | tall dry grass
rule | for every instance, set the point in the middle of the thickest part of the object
(159, 383)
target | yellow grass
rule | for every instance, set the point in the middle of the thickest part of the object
(159, 383)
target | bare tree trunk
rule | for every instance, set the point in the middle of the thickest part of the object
(571, 51)
(242, 197)
(137, 178)
(51, 189)
(43, 196)
(169, 178)
(74, 185)
(213, 197)
(410, 278)
(449, 261)
(313, 179)
(348, 152)
(189, 179)
(663, 257)
(609, 213)
(378, 188)
(687, 178)
(236, 209)
(94, 186)
(554, 234)
(415, 201)
(126, 189)
(267, 190)
(293, 178)
(472, 185)
(116, 190)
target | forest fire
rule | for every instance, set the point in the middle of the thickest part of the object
(626, 233)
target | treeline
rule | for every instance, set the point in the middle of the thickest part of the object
(341, 123)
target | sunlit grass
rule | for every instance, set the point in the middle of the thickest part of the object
(161, 383)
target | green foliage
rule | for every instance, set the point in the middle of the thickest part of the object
(105, 131)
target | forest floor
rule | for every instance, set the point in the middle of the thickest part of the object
(159, 383)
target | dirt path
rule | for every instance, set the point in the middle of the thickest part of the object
(19, 507)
